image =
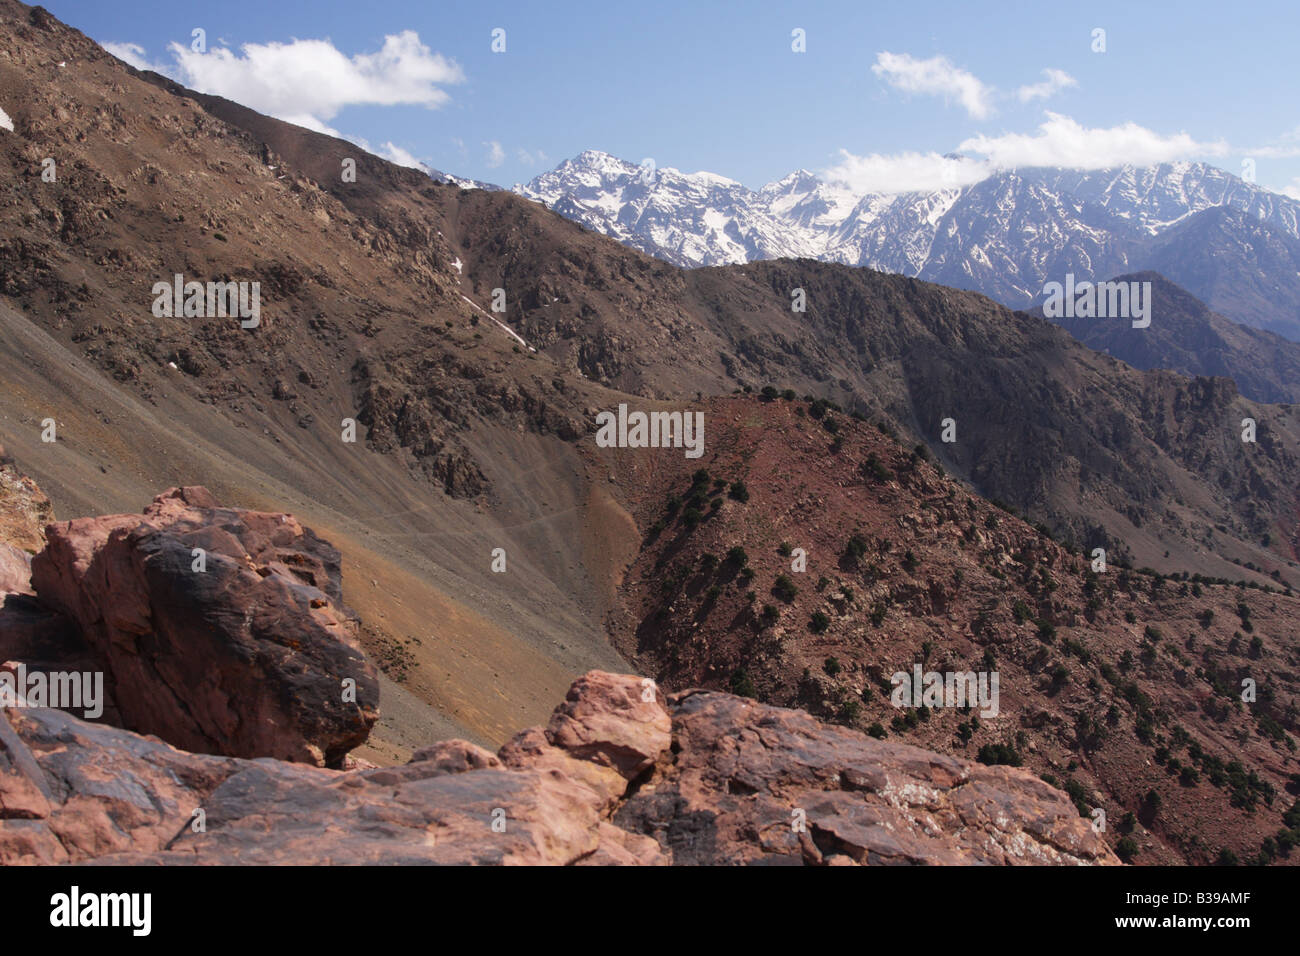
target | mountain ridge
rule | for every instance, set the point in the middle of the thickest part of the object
(1004, 235)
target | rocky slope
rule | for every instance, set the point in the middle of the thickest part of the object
(1187, 337)
(808, 557)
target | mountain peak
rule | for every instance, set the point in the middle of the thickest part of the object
(1005, 235)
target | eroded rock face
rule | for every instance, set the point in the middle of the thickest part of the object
(24, 510)
(746, 773)
(248, 656)
(614, 779)
(15, 570)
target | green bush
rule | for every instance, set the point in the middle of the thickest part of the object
(784, 588)
(741, 684)
(994, 754)
(856, 548)
(874, 469)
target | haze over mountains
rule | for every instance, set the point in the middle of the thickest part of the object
(1191, 339)
(1230, 243)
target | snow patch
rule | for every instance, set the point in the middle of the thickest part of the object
(5, 121)
(509, 331)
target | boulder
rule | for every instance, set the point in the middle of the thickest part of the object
(222, 630)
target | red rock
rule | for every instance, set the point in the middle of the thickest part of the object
(15, 570)
(724, 793)
(605, 719)
(245, 658)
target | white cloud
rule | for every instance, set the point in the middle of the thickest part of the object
(307, 121)
(1061, 141)
(904, 172)
(1056, 81)
(130, 53)
(388, 150)
(936, 76)
(1273, 152)
(395, 154)
(1292, 191)
(495, 154)
(308, 82)
(532, 157)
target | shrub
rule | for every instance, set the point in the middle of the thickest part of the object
(784, 588)
(741, 685)
(739, 492)
(995, 754)
(874, 469)
(831, 666)
(819, 623)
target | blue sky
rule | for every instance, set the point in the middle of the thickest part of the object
(880, 93)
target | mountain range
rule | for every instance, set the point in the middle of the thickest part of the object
(402, 480)
(1231, 243)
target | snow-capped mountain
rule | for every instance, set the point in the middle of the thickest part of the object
(1004, 236)
(690, 219)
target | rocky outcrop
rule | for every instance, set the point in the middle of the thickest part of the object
(24, 512)
(620, 776)
(222, 630)
(755, 784)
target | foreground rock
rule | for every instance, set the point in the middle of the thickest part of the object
(619, 776)
(24, 510)
(222, 630)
